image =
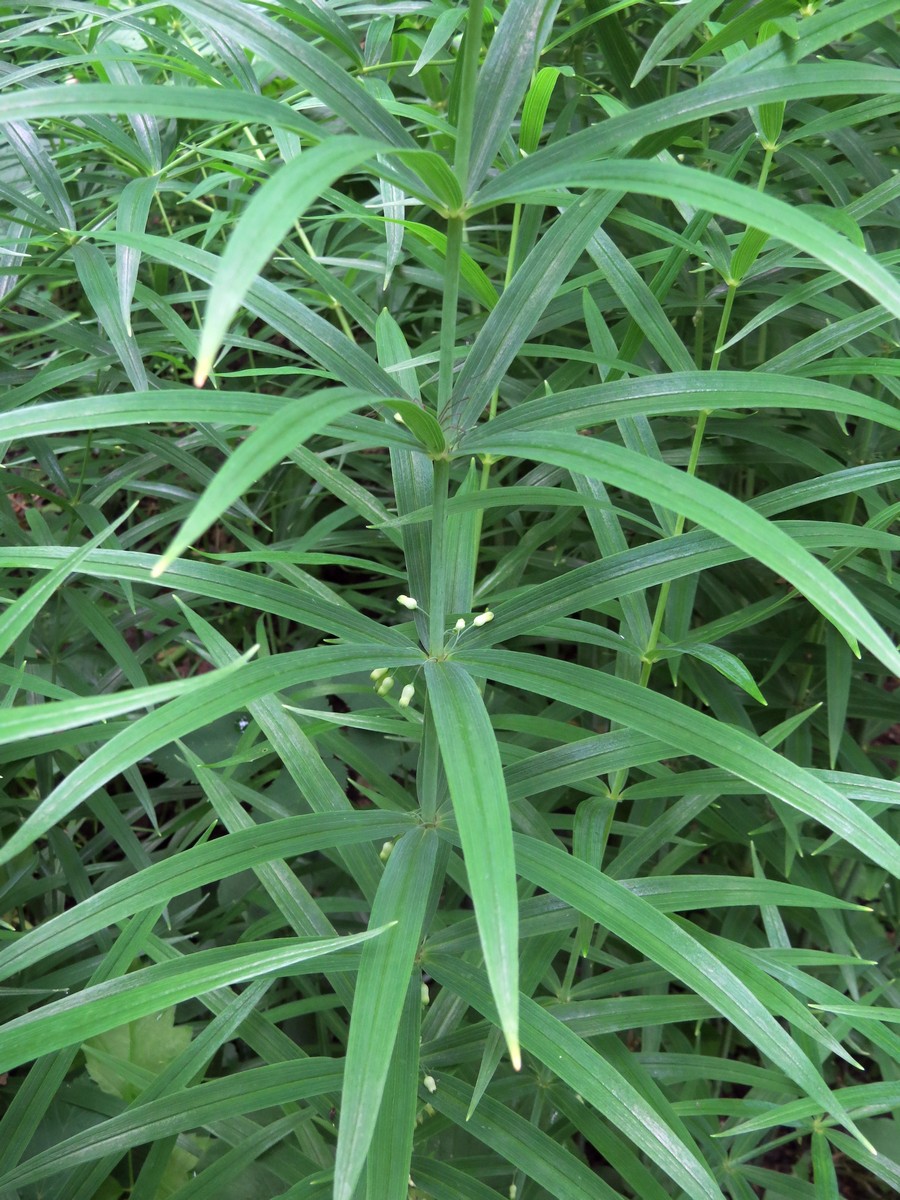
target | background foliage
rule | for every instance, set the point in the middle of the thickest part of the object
(576, 324)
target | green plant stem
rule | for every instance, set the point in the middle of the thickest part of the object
(437, 599)
(723, 325)
(693, 460)
(468, 68)
(471, 48)
(449, 307)
(428, 774)
(659, 614)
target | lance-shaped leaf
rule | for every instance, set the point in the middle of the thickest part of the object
(717, 511)
(268, 443)
(381, 988)
(281, 200)
(477, 788)
(151, 989)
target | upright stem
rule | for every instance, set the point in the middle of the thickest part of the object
(430, 772)
(471, 48)
(662, 601)
(468, 68)
(437, 598)
(449, 306)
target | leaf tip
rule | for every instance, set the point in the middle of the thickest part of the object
(161, 565)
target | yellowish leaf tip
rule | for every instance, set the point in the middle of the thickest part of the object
(201, 372)
(515, 1054)
(159, 566)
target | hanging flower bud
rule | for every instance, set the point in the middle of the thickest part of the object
(378, 673)
(430, 1084)
(406, 696)
(385, 686)
(386, 849)
(426, 995)
(460, 625)
(408, 602)
(483, 618)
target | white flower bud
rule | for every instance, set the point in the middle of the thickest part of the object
(406, 696)
(386, 849)
(483, 618)
(426, 995)
(378, 673)
(399, 419)
(430, 1084)
(385, 686)
(408, 602)
(512, 1191)
(460, 625)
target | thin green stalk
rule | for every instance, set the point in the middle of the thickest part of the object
(428, 773)
(468, 68)
(659, 614)
(723, 325)
(471, 49)
(437, 599)
(449, 307)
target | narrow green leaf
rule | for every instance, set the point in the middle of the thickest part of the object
(732, 88)
(423, 424)
(693, 733)
(100, 286)
(684, 392)
(522, 1143)
(838, 666)
(534, 110)
(666, 943)
(34, 720)
(187, 713)
(19, 615)
(299, 59)
(291, 425)
(673, 32)
(589, 1076)
(274, 208)
(381, 988)
(701, 190)
(440, 33)
(714, 509)
(246, 1091)
(196, 867)
(532, 288)
(503, 78)
(150, 989)
(388, 1164)
(475, 775)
